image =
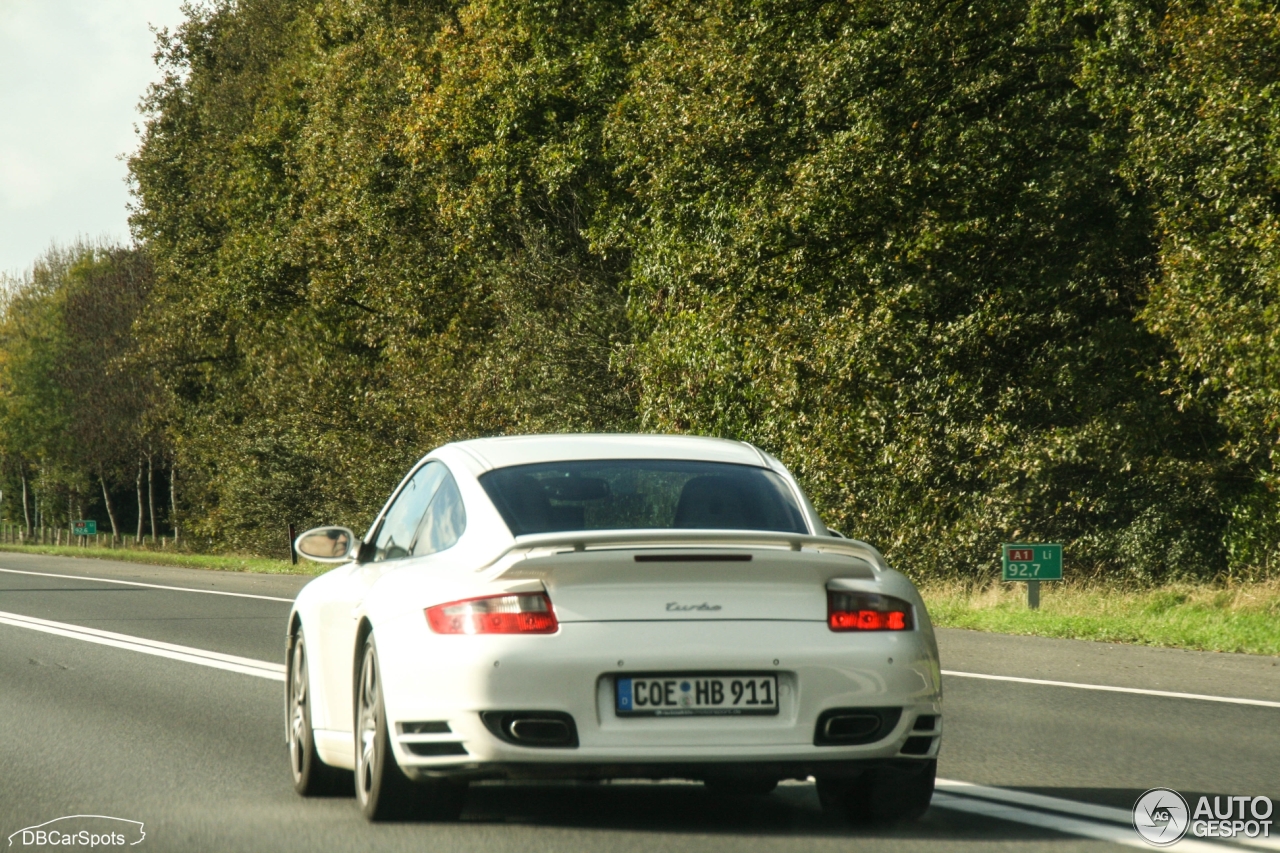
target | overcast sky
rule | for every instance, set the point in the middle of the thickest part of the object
(71, 75)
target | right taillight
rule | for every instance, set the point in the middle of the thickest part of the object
(867, 611)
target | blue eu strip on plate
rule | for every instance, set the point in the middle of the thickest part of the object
(624, 694)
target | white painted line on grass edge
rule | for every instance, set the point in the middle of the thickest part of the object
(149, 585)
(1261, 703)
(217, 660)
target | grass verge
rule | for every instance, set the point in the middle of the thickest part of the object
(218, 562)
(1234, 618)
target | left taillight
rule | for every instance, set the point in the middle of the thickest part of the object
(867, 611)
(523, 613)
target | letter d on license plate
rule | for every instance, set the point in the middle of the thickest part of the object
(701, 694)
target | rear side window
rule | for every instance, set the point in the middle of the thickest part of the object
(396, 534)
(443, 522)
(427, 516)
(641, 494)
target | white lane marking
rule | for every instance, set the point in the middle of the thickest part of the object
(1261, 703)
(1071, 826)
(217, 660)
(1123, 817)
(149, 585)
(1040, 801)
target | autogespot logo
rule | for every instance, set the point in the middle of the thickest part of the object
(89, 831)
(1162, 818)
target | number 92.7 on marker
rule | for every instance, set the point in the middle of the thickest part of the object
(1035, 562)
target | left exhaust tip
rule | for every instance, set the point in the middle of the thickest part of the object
(535, 729)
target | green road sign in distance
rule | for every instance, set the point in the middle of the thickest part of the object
(1032, 562)
(84, 528)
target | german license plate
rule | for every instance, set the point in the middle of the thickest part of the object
(695, 695)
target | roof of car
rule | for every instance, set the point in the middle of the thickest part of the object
(526, 449)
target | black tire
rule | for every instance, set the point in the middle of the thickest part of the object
(889, 794)
(741, 786)
(383, 792)
(311, 776)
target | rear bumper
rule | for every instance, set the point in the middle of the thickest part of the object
(450, 680)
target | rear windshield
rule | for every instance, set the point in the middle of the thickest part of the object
(622, 494)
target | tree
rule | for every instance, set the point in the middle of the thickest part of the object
(892, 243)
(1201, 96)
(73, 406)
(941, 259)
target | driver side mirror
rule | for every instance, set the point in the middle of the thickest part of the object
(327, 544)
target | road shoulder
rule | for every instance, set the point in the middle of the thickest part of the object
(1090, 662)
(284, 586)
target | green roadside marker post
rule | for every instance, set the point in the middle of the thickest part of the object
(84, 528)
(1032, 563)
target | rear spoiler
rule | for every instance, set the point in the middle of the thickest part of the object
(584, 540)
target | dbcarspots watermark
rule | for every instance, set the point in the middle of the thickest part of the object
(87, 831)
(1162, 817)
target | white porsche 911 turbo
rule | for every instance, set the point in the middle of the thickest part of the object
(608, 607)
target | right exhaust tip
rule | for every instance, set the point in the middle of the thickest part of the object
(854, 726)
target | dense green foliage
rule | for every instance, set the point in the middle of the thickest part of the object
(355, 265)
(78, 420)
(1206, 120)
(895, 247)
(978, 272)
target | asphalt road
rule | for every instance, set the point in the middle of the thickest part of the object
(196, 752)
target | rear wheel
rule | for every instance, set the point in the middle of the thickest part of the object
(890, 794)
(382, 790)
(311, 776)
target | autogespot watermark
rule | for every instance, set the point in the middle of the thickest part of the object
(88, 831)
(1162, 817)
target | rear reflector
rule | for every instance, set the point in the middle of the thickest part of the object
(866, 611)
(525, 613)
